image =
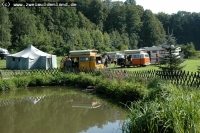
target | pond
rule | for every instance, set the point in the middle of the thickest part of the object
(57, 110)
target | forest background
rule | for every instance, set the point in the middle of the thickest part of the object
(94, 24)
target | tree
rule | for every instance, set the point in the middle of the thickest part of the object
(85, 22)
(5, 28)
(97, 13)
(116, 19)
(164, 19)
(170, 62)
(24, 28)
(188, 50)
(152, 31)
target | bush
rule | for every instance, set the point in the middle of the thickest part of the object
(22, 81)
(6, 85)
(121, 91)
(156, 88)
(85, 80)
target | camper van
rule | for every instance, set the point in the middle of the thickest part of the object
(136, 57)
(3, 53)
(113, 55)
(160, 51)
(84, 59)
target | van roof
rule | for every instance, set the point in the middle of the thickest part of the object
(136, 51)
(83, 52)
(113, 52)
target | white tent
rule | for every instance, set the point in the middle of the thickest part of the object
(31, 58)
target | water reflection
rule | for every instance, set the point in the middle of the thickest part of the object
(34, 100)
(66, 111)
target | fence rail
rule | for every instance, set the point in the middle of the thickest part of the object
(176, 77)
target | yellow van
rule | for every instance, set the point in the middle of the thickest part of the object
(84, 59)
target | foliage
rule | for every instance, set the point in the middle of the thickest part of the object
(40, 80)
(188, 50)
(5, 24)
(21, 82)
(152, 30)
(85, 80)
(178, 111)
(185, 25)
(93, 24)
(59, 30)
(156, 87)
(170, 61)
(6, 85)
(198, 69)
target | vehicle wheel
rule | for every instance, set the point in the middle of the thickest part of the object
(128, 66)
(122, 65)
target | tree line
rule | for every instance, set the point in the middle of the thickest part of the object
(93, 24)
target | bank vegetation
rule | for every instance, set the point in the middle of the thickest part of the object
(154, 105)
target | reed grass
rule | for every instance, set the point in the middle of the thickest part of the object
(177, 112)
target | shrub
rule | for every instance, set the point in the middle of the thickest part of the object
(22, 81)
(156, 88)
(85, 80)
(6, 85)
(132, 92)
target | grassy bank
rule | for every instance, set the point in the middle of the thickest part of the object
(154, 105)
(173, 111)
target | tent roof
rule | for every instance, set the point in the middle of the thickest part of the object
(30, 52)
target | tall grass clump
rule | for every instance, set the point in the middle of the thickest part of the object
(120, 90)
(39, 80)
(85, 80)
(6, 85)
(178, 112)
(156, 89)
(21, 81)
(66, 78)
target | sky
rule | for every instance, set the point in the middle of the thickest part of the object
(169, 6)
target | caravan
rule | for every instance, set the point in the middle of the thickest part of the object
(160, 51)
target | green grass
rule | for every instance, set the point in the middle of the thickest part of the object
(2, 64)
(176, 112)
(190, 65)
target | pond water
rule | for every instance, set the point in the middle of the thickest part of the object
(57, 110)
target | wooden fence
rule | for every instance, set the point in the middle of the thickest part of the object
(177, 77)
(13, 73)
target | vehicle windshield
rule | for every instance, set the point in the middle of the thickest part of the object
(120, 56)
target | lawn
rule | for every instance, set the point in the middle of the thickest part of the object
(190, 65)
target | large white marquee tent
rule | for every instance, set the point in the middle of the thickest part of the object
(31, 58)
